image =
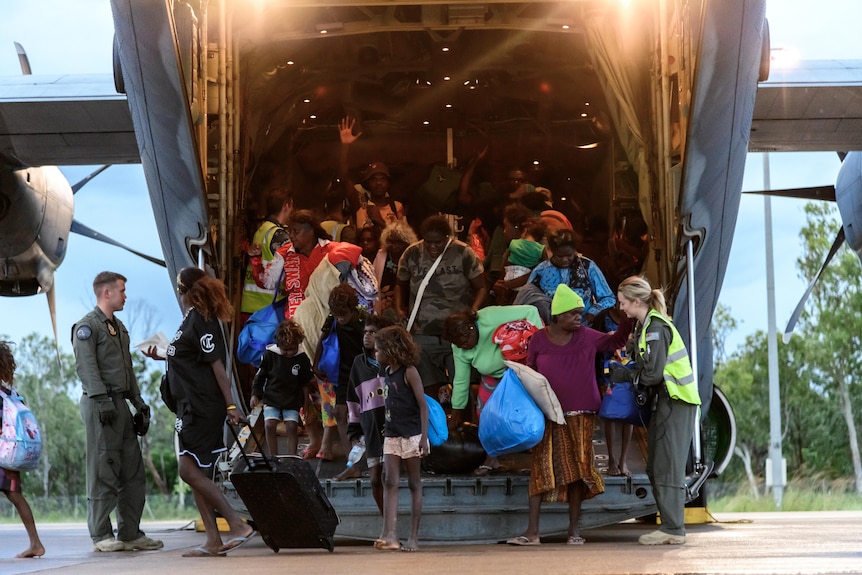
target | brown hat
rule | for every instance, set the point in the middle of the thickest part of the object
(374, 168)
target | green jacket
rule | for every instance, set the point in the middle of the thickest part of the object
(103, 358)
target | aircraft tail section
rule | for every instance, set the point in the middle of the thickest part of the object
(725, 86)
(164, 129)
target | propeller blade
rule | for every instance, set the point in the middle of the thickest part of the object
(81, 229)
(52, 308)
(86, 180)
(23, 59)
(823, 193)
(791, 324)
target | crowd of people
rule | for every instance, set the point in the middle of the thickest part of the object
(376, 319)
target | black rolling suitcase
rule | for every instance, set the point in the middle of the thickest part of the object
(285, 500)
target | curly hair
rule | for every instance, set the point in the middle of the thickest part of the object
(204, 293)
(7, 362)
(397, 345)
(289, 332)
(563, 238)
(342, 300)
(378, 321)
(457, 325)
(399, 230)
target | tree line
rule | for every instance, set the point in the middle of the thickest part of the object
(819, 371)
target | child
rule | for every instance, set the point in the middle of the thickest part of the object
(406, 432)
(10, 481)
(366, 407)
(281, 383)
(348, 321)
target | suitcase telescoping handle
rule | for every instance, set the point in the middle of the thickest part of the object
(250, 463)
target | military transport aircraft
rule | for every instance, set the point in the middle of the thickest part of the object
(36, 200)
(627, 110)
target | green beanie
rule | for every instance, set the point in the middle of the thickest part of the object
(565, 299)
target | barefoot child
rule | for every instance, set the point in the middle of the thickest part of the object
(406, 432)
(367, 408)
(10, 481)
(281, 383)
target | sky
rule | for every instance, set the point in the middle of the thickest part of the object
(75, 36)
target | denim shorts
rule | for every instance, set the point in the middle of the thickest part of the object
(277, 414)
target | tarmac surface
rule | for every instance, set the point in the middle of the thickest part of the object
(737, 543)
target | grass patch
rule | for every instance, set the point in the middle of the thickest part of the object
(74, 509)
(799, 495)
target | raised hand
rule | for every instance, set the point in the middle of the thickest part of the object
(345, 130)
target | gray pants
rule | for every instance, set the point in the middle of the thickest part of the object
(115, 473)
(670, 434)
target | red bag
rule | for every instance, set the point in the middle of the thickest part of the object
(513, 338)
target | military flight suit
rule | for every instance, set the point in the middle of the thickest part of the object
(115, 468)
(672, 423)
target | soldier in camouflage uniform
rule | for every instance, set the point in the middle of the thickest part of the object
(457, 284)
(115, 468)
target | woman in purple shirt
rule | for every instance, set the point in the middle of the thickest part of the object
(563, 467)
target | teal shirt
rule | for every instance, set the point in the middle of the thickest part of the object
(486, 356)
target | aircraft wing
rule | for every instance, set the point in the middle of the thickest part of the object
(65, 120)
(815, 105)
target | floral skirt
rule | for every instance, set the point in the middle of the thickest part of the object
(564, 456)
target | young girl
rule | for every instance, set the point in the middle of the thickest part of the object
(406, 432)
(346, 318)
(10, 481)
(281, 384)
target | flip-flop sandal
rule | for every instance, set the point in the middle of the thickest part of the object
(236, 542)
(309, 453)
(574, 540)
(325, 456)
(483, 471)
(202, 552)
(522, 541)
(387, 545)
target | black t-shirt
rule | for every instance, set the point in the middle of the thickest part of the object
(280, 382)
(195, 346)
(349, 344)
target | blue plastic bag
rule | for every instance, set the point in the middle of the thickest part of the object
(438, 431)
(619, 404)
(510, 421)
(330, 356)
(258, 332)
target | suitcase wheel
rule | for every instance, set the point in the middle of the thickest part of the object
(269, 543)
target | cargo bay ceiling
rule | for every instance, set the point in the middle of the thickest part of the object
(516, 76)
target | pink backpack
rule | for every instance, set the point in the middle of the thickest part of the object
(20, 439)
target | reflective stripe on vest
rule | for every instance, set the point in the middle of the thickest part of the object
(678, 375)
(255, 297)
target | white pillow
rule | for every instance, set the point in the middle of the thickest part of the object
(540, 390)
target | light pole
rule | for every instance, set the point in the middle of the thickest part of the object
(775, 463)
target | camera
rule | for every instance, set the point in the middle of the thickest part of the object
(641, 396)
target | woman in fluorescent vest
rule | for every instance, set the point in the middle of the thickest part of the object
(662, 365)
